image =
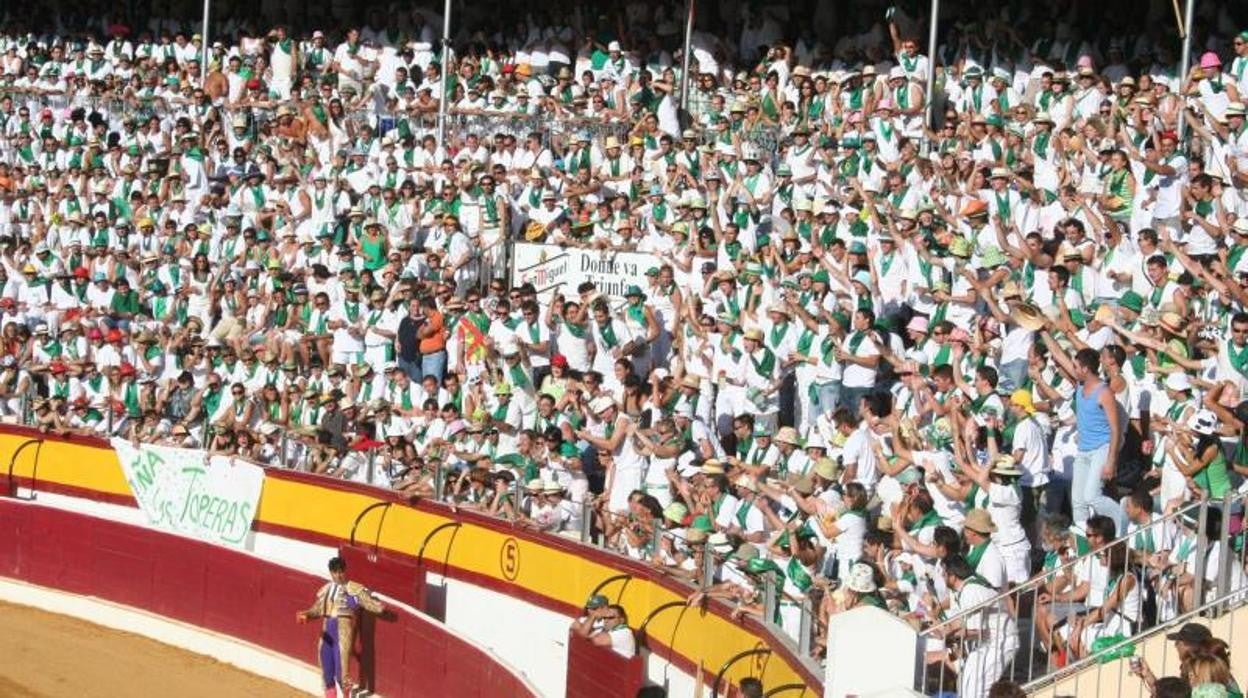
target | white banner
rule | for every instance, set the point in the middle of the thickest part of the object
(185, 491)
(551, 269)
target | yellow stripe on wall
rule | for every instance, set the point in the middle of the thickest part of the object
(542, 569)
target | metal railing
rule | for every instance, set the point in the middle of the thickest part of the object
(1028, 635)
(586, 533)
(556, 131)
(1221, 603)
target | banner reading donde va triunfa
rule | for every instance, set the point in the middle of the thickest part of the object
(186, 492)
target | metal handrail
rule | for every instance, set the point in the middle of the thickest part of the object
(1177, 621)
(603, 584)
(360, 517)
(34, 471)
(420, 556)
(641, 629)
(719, 676)
(1048, 575)
(1011, 602)
(773, 633)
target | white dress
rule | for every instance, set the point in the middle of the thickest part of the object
(629, 468)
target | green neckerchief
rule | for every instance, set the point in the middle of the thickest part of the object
(1040, 146)
(974, 494)
(637, 313)
(929, 519)
(212, 400)
(766, 365)
(886, 263)
(976, 553)
(778, 331)
(131, 400)
(1186, 546)
(743, 512)
(798, 575)
(608, 334)
(855, 341)
(519, 377)
(743, 447)
(828, 350)
(805, 341)
(1238, 357)
(1154, 298)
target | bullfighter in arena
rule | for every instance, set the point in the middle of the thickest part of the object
(337, 603)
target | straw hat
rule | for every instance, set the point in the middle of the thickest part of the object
(1171, 322)
(1005, 466)
(1027, 316)
(746, 482)
(826, 469)
(788, 435)
(1104, 314)
(712, 466)
(980, 521)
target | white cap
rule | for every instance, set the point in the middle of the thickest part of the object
(1178, 382)
(601, 404)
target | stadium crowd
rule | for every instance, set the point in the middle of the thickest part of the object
(877, 360)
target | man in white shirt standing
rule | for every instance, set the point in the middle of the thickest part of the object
(861, 357)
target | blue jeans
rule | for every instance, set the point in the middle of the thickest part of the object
(829, 395)
(412, 369)
(1013, 375)
(433, 365)
(1086, 495)
(851, 398)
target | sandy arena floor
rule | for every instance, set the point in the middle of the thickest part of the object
(45, 655)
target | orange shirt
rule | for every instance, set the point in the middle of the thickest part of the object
(435, 333)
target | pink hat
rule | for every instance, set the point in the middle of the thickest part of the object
(918, 323)
(1210, 60)
(886, 103)
(959, 335)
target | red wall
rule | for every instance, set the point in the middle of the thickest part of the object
(595, 671)
(235, 594)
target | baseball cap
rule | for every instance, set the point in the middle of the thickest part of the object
(1190, 633)
(596, 601)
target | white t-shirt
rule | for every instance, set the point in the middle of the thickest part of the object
(1005, 505)
(855, 376)
(858, 450)
(1029, 437)
(992, 567)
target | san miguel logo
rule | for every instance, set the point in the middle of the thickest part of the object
(547, 272)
